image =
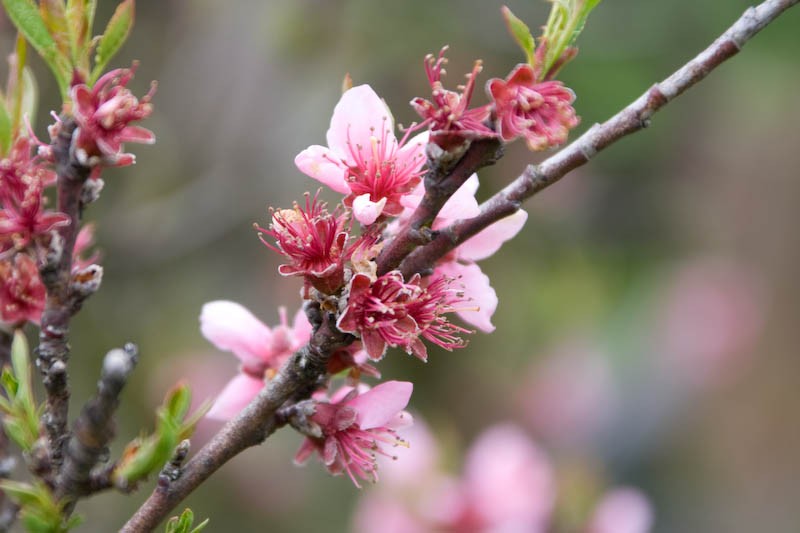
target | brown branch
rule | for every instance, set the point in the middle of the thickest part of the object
(306, 368)
(94, 428)
(441, 181)
(53, 351)
(633, 118)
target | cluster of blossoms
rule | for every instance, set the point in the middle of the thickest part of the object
(103, 116)
(338, 252)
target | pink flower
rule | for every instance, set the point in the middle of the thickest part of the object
(450, 120)
(363, 159)
(355, 428)
(21, 167)
(390, 312)
(480, 297)
(313, 240)
(22, 293)
(541, 112)
(261, 350)
(84, 241)
(104, 114)
(22, 220)
(622, 510)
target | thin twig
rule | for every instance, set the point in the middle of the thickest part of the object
(94, 428)
(298, 378)
(633, 118)
(53, 351)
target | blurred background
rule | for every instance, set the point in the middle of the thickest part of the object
(647, 330)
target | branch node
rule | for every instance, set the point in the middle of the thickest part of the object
(172, 470)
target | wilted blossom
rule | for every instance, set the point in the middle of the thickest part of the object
(447, 113)
(460, 264)
(364, 159)
(390, 312)
(313, 240)
(21, 167)
(23, 219)
(261, 350)
(539, 111)
(104, 114)
(355, 427)
(22, 293)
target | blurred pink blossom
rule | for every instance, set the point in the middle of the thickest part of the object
(622, 510)
(710, 317)
(569, 396)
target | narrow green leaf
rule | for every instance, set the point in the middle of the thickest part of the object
(30, 95)
(178, 400)
(115, 35)
(520, 33)
(28, 20)
(55, 19)
(5, 129)
(201, 526)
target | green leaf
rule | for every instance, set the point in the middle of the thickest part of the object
(39, 512)
(177, 402)
(28, 20)
(184, 523)
(55, 20)
(30, 95)
(521, 34)
(5, 129)
(117, 31)
(564, 25)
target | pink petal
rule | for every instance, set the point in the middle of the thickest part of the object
(137, 134)
(301, 329)
(365, 210)
(82, 99)
(359, 115)
(324, 166)
(305, 451)
(487, 242)
(510, 480)
(461, 205)
(412, 154)
(239, 392)
(477, 289)
(231, 327)
(623, 510)
(379, 405)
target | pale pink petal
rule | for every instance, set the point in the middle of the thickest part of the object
(324, 166)
(488, 241)
(412, 154)
(365, 210)
(137, 134)
(387, 514)
(411, 200)
(622, 510)
(379, 405)
(477, 290)
(461, 205)
(231, 327)
(239, 392)
(301, 329)
(359, 116)
(510, 480)
(414, 463)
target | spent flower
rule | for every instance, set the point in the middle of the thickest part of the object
(22, 293)
(104, 114)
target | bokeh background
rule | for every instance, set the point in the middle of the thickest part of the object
(647, 330)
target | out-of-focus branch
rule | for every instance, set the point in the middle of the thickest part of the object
(304, 370)
(94, 428)
(630, 120)
(53, 351)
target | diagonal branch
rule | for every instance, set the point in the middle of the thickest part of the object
(633, 118)
(298, 378)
